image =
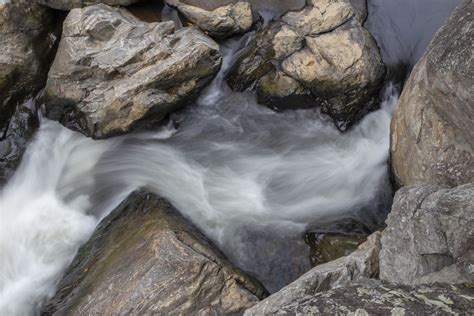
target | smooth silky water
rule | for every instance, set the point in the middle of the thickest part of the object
(251, 179)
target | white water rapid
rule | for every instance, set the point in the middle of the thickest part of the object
(253, 180)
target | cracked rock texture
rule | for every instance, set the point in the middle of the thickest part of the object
(222, 22)
(432, 139)
(322, 54)
(114, 73)
(144, 258)
(371, 297)
(363, 263)
(71, 4)
(429, 236)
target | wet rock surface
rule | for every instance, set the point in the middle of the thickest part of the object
(222, 22)
(13, 142)
(114, 73)
(27, 39)
(429, 236)
(71, 4)
(145, 258)
(363, 263)
(371, 297)
(327, 247)
(432, 140)
(322, 54)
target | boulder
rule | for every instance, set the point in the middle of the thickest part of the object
(371, 297)
(429, 236)
(144, 258)
(432, 139)
(27, 40)
(114, 73)
(363, 263)
(71, 4)
(278, 6)
(320, 16)
(20, 130)
(342, 69)
(221, 22)
(322, 55)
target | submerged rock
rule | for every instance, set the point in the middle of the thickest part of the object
(432, 139)
(113, 72)
(327, 247)
(27, 40)
(71, 4)
(371, 297)
(221, 22)
(144, 258)
(362, 263)
(429, 236)
(322, 54)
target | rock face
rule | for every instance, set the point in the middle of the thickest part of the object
(221, 22)
(27, 39)
(322, 54)
(71, 4)
(144, 258)
(432, 139)
(429, 236)
(113, 72)
(362, 263)
(370, 297)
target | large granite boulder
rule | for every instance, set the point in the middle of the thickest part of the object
(221, 22)
(113, 72)
(322, 55)
(371, 297)
(143, 259)
(27, 39)
(71, 4)
(432, 139)
(429, 236)
(363, 263)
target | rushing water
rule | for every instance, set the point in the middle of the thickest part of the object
(253, 180)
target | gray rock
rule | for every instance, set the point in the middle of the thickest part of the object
(324, 57)
(21, 128)
(143, 259)
(363, 263)
(360, 9)
(71, 4)
(320, 16)
(221, 22)
(371, 297)
(429, 236)
(257, 59)
(432, 139)
(280, 6)
(27, 39)
(114, 73)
